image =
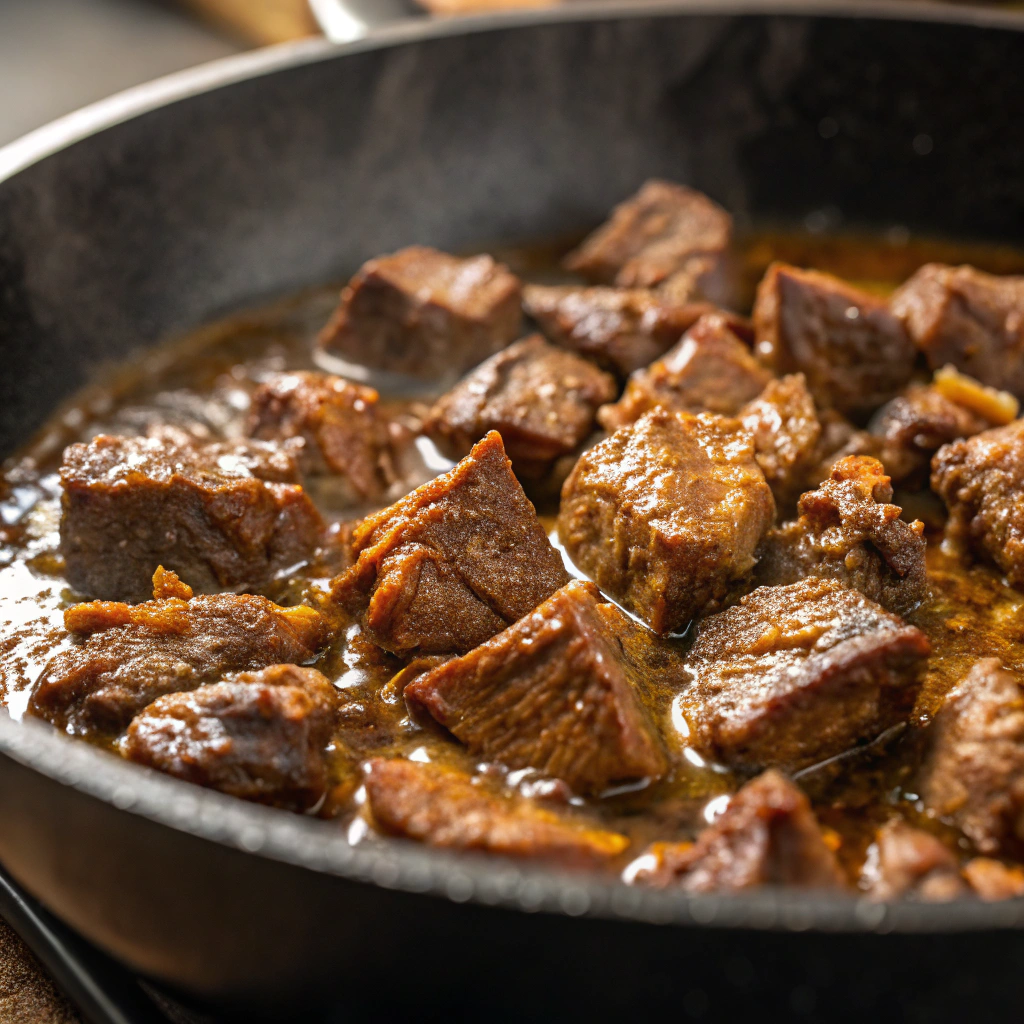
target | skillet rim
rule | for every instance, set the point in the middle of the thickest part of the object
(397, 864)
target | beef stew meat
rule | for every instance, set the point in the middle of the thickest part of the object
(767, 835)
(541, 399)
(453, 563)
(974, 777)
(665, 515)
(721, 652)
(129, 655)
(444, 807)
(619, 329)
(849, 530)
(555, 692)
(853, 351)
(338, 423)
(662, 231)
(971, 319)
(218, 515)
(709, 370)
(424, 313)
(794, 675)
(260, 736)
(981, 480)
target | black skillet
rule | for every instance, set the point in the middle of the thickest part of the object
(150, 213)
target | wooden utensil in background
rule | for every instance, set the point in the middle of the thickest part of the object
(259, 21)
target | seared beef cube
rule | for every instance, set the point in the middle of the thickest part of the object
(620, 329)
(132, 654)
(651, 236)
(541, 399)
(849, 530)
(854, 353)
(794, 675)
(914, 425)
(974, 777)
(912, 864)
(259, 736)
(784, 423)
(709, 370)
(992, 880)
(973, 320)
(341, 430)
(665, 515)
(453, 563)
(981, 480)
(767, 835)
(444, 807)
(556, 692)
(423, 312)
(208, 512)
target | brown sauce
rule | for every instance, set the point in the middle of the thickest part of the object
(206, 379)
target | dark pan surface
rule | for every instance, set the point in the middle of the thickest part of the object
(154, 212)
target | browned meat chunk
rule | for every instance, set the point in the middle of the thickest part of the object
(768, 835)
(541, 399)
(992, 880)
(709, 370)
(839, 439)
(981, 480)
(665, 515)
(973, 320)
(794, 675)
(784, 423)
(341, 430)
(974, 777)
(423, 312)
(259, 736)
(652, 236)
(132, 654)
(849, 530)
(911, 863)
(453, 563)
(914, 425)
(853, 351)
(443, 807)
(209, 512)
(620, 329)
(555, 692)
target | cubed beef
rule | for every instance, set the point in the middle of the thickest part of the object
(651, 236)
(853, 351)
(709, 370)
(981, 480)
(794, 675)
(425, 313)
(259, 736)
(913, 864)
(556, 692)
(992, 880)
(973, 320)
(341, 430)
(849, 530)
(541, 399)
(914, 425)
(209, 512)
(974, 776)
(665, 515)
(131, 654)
(767, 835)
(784, 423)
(444, 807)
(453, 563)
(620, 329)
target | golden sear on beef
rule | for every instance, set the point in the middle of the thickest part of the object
(794, 675)
(453, 563)
(665, 515)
